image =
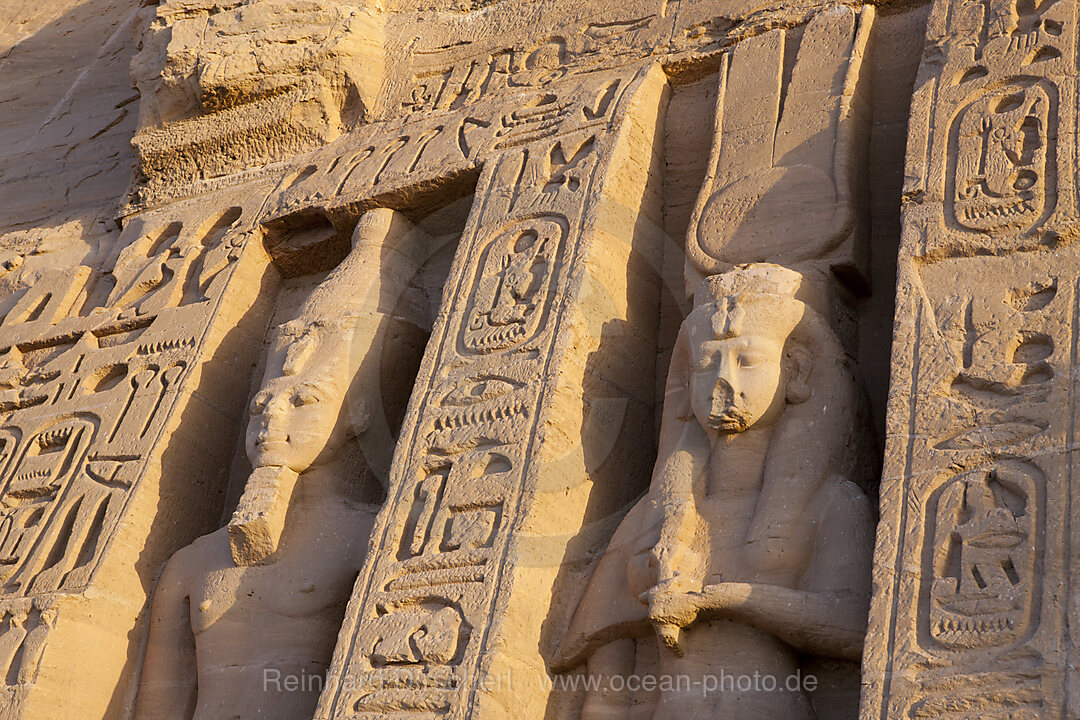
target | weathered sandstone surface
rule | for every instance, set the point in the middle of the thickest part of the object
(478, 359)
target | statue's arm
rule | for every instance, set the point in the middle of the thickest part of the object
(168, 688)
(828, 624)
(676, 480)
(680, 464)
(826, 615)
(674, 558)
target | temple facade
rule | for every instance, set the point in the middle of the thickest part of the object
(527, 360)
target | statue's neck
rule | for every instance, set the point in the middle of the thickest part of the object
(323, 484)
(744, 451)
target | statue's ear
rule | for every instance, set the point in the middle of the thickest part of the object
(799, 366)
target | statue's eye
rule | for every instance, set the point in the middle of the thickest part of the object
(706, 362)
(304, 397)
(258, 403)
(751, 359)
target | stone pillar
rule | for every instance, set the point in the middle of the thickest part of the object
(549, 312)
(120, 398)
(974, 614)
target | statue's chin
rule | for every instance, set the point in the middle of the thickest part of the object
(729, 422)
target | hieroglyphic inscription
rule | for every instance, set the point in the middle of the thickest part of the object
(1001, 179)
(985, 534)
(978, 478)
(173, 265)
(84, 388)
(419, 625)
(986, 506)
(513, 284)
(381, 158)
(24, 629)
(67, 477)
(991, 142)
(106, 433)
(458, 499)
(446, 77)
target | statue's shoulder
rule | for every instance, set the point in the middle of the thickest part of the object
(196, 560)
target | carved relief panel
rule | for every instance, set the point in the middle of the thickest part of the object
(25, 628)
(987, 138)
(1003, 176)
(971, 557)
(380, 159)
(92, 366)
(513, 286)
(991, 410)
(446, 77)
(420, 621)
(88, 390)
(113, 384)
(458, 497)
(984, 538)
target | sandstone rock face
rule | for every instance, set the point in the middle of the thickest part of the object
(506, 359)
(228, 86)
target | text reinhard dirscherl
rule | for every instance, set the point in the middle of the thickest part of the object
(275, 680)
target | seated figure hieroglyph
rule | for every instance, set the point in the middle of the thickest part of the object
(751, 550)
(243, 621)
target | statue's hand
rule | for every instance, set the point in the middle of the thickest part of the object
(673, 607)
(670, 610)
(671, 565)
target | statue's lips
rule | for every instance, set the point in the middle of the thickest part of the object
(270, 438)
(727, 420)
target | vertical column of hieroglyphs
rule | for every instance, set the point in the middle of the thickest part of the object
(96, 371)
(972, 567)
(435, 608)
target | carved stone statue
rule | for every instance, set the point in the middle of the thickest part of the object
(244, 620)
(753, 545)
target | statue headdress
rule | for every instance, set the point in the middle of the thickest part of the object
(763, 287)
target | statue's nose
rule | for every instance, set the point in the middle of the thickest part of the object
(722, 395)
(275, 406)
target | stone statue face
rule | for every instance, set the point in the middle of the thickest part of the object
(294, 417)
(738, 381)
